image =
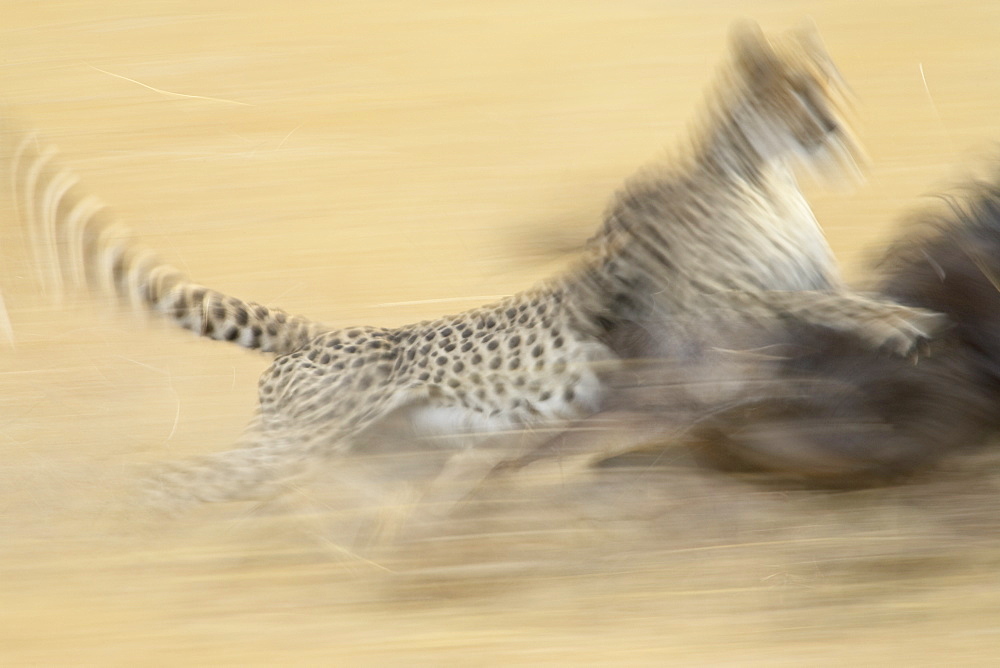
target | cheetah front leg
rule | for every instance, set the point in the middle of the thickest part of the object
(881, 324)
(481, 454)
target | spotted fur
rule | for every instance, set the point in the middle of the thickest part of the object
(721, 230)
(76, 241)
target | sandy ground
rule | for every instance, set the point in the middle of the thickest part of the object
(380, 162)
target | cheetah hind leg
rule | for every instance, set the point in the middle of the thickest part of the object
(263, 469)
(272, 463)
(275, 452)
(881, 324)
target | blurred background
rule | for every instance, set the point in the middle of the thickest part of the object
(381, 162)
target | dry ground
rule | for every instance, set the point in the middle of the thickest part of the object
(379, 162)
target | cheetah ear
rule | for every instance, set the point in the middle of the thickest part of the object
(807, 35)
(753, 54)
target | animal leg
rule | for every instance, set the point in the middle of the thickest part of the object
(879, 323)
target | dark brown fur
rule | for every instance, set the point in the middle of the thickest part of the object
(829, 411)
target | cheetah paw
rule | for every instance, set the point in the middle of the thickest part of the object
(906, 332)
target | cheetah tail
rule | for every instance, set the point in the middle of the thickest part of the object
(76, 242)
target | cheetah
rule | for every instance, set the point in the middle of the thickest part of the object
(722, 229)
(945, 260)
